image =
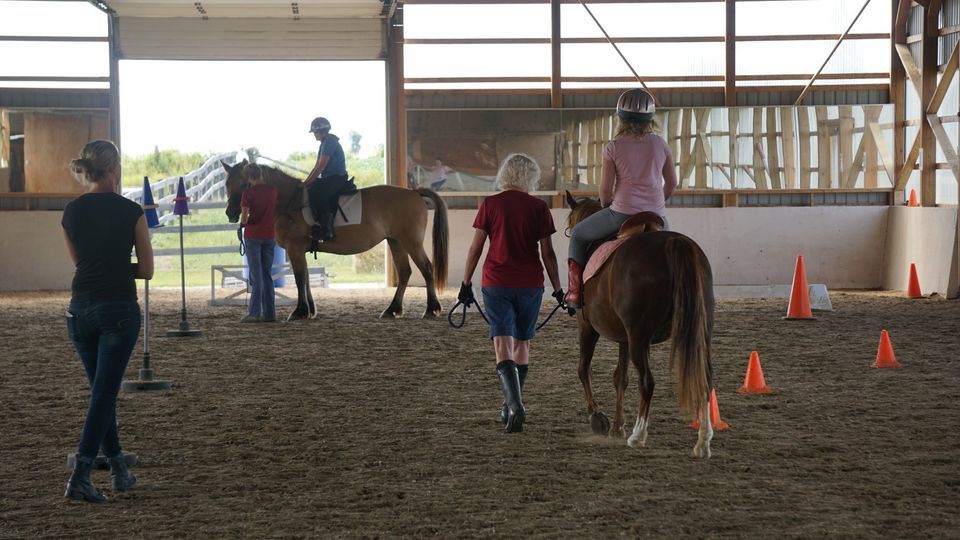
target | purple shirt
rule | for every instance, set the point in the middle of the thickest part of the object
(638, 185)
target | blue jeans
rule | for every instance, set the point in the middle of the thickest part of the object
(259, 263)
(512, 311)
(104, 334)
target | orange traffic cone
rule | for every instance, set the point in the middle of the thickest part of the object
(715, 420)
(913, 289)
(799, 307)
(913, 198)
(885, 356)
(754, 383)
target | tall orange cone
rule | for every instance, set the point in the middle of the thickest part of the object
(913, 198)
(885, 356)
(913, 289)
(799, 307)
(754, 383)
(715, 420)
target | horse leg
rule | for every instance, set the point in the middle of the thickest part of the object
(588, 343)
(299, 263)
(311, 306)
(621, 377)
(705, 433)
(423, 263)
(402, 263)
(640, 355)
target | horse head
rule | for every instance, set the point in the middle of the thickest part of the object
(580, 209)
(235, 185)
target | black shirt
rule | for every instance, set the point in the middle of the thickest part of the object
(101, 228)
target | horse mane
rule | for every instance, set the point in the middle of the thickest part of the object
(273, 174)
(584, 209)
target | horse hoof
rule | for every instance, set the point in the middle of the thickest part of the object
(599, 423)
(296, 316)
(701, 451)
(430, 314)
(617, 433)
(388, 314)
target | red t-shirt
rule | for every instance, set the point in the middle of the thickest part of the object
(515, 223)
(261, 199)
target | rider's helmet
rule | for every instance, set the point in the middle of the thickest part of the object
(636, 104)
(319, 124)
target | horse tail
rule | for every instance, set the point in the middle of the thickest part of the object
(692, 322)
(441, 238)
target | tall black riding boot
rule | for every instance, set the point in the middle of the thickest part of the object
(510, 381)
(326, 221)
(121, 479)
(79, 487)
(522, 372)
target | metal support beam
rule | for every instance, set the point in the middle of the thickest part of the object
(114, 82)
(622, 57)
(928, 139)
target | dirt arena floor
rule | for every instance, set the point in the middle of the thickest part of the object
(349, 426)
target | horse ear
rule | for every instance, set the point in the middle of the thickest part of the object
(244, 162)
(570, 200)
(226, 166)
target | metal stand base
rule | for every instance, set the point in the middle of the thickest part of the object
(184, 331)
(101, 461)
(145, 382)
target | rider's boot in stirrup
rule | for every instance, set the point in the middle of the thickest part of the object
(510, 381)
(326, 222)
(574, 284)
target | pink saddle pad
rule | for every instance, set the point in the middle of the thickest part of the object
(600, 256)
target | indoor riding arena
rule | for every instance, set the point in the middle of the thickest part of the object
(815, 144)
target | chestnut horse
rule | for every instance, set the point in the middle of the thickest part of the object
(398, 215)
(656, 284)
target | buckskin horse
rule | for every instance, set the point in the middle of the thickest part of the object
(395, 214)
(654, 285)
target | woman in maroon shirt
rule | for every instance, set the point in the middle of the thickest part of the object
(257, 207)
(516, 223)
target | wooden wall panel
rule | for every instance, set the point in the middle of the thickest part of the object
(51, 140)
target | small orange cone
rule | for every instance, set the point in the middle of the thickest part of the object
(715, 420)
(754, 383)
(799, 307)
(913, 289)
(885, 356)
(913, 198)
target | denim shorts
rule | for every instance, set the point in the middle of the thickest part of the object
(512, 312)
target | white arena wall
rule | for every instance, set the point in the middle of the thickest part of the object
(843, 247)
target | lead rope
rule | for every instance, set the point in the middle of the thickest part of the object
(463, 315)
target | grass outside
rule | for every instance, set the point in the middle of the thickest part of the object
(365, 268)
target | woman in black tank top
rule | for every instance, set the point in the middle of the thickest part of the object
(103, 321)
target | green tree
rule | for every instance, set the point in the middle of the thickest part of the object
(355, 142)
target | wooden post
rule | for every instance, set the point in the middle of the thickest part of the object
(845, 140)
(113, 36)
(685, 145)
(928, 141)
(773, 153)
(730, 46)
(871, 114)
(556, 93)
(803, 119)
(673, 136)
(824, 146)
(898, 33)
(759, 165)
(699, 151)
(789, 153)
(733, 122)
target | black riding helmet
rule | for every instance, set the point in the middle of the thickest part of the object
(636, 104)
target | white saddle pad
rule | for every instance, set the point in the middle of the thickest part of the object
(352, 206)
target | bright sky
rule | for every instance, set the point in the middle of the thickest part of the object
(218, 106)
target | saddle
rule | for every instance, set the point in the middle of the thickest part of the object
(348, 188)
(598, 252)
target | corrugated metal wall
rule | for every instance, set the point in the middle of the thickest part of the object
(31, 98)
(156, 38)
(437, 99)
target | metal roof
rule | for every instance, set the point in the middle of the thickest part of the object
(215, 9)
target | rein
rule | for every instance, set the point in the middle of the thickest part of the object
(463, 316)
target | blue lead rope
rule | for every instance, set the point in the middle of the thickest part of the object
(463, 315)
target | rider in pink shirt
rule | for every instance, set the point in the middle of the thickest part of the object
(637, 176)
